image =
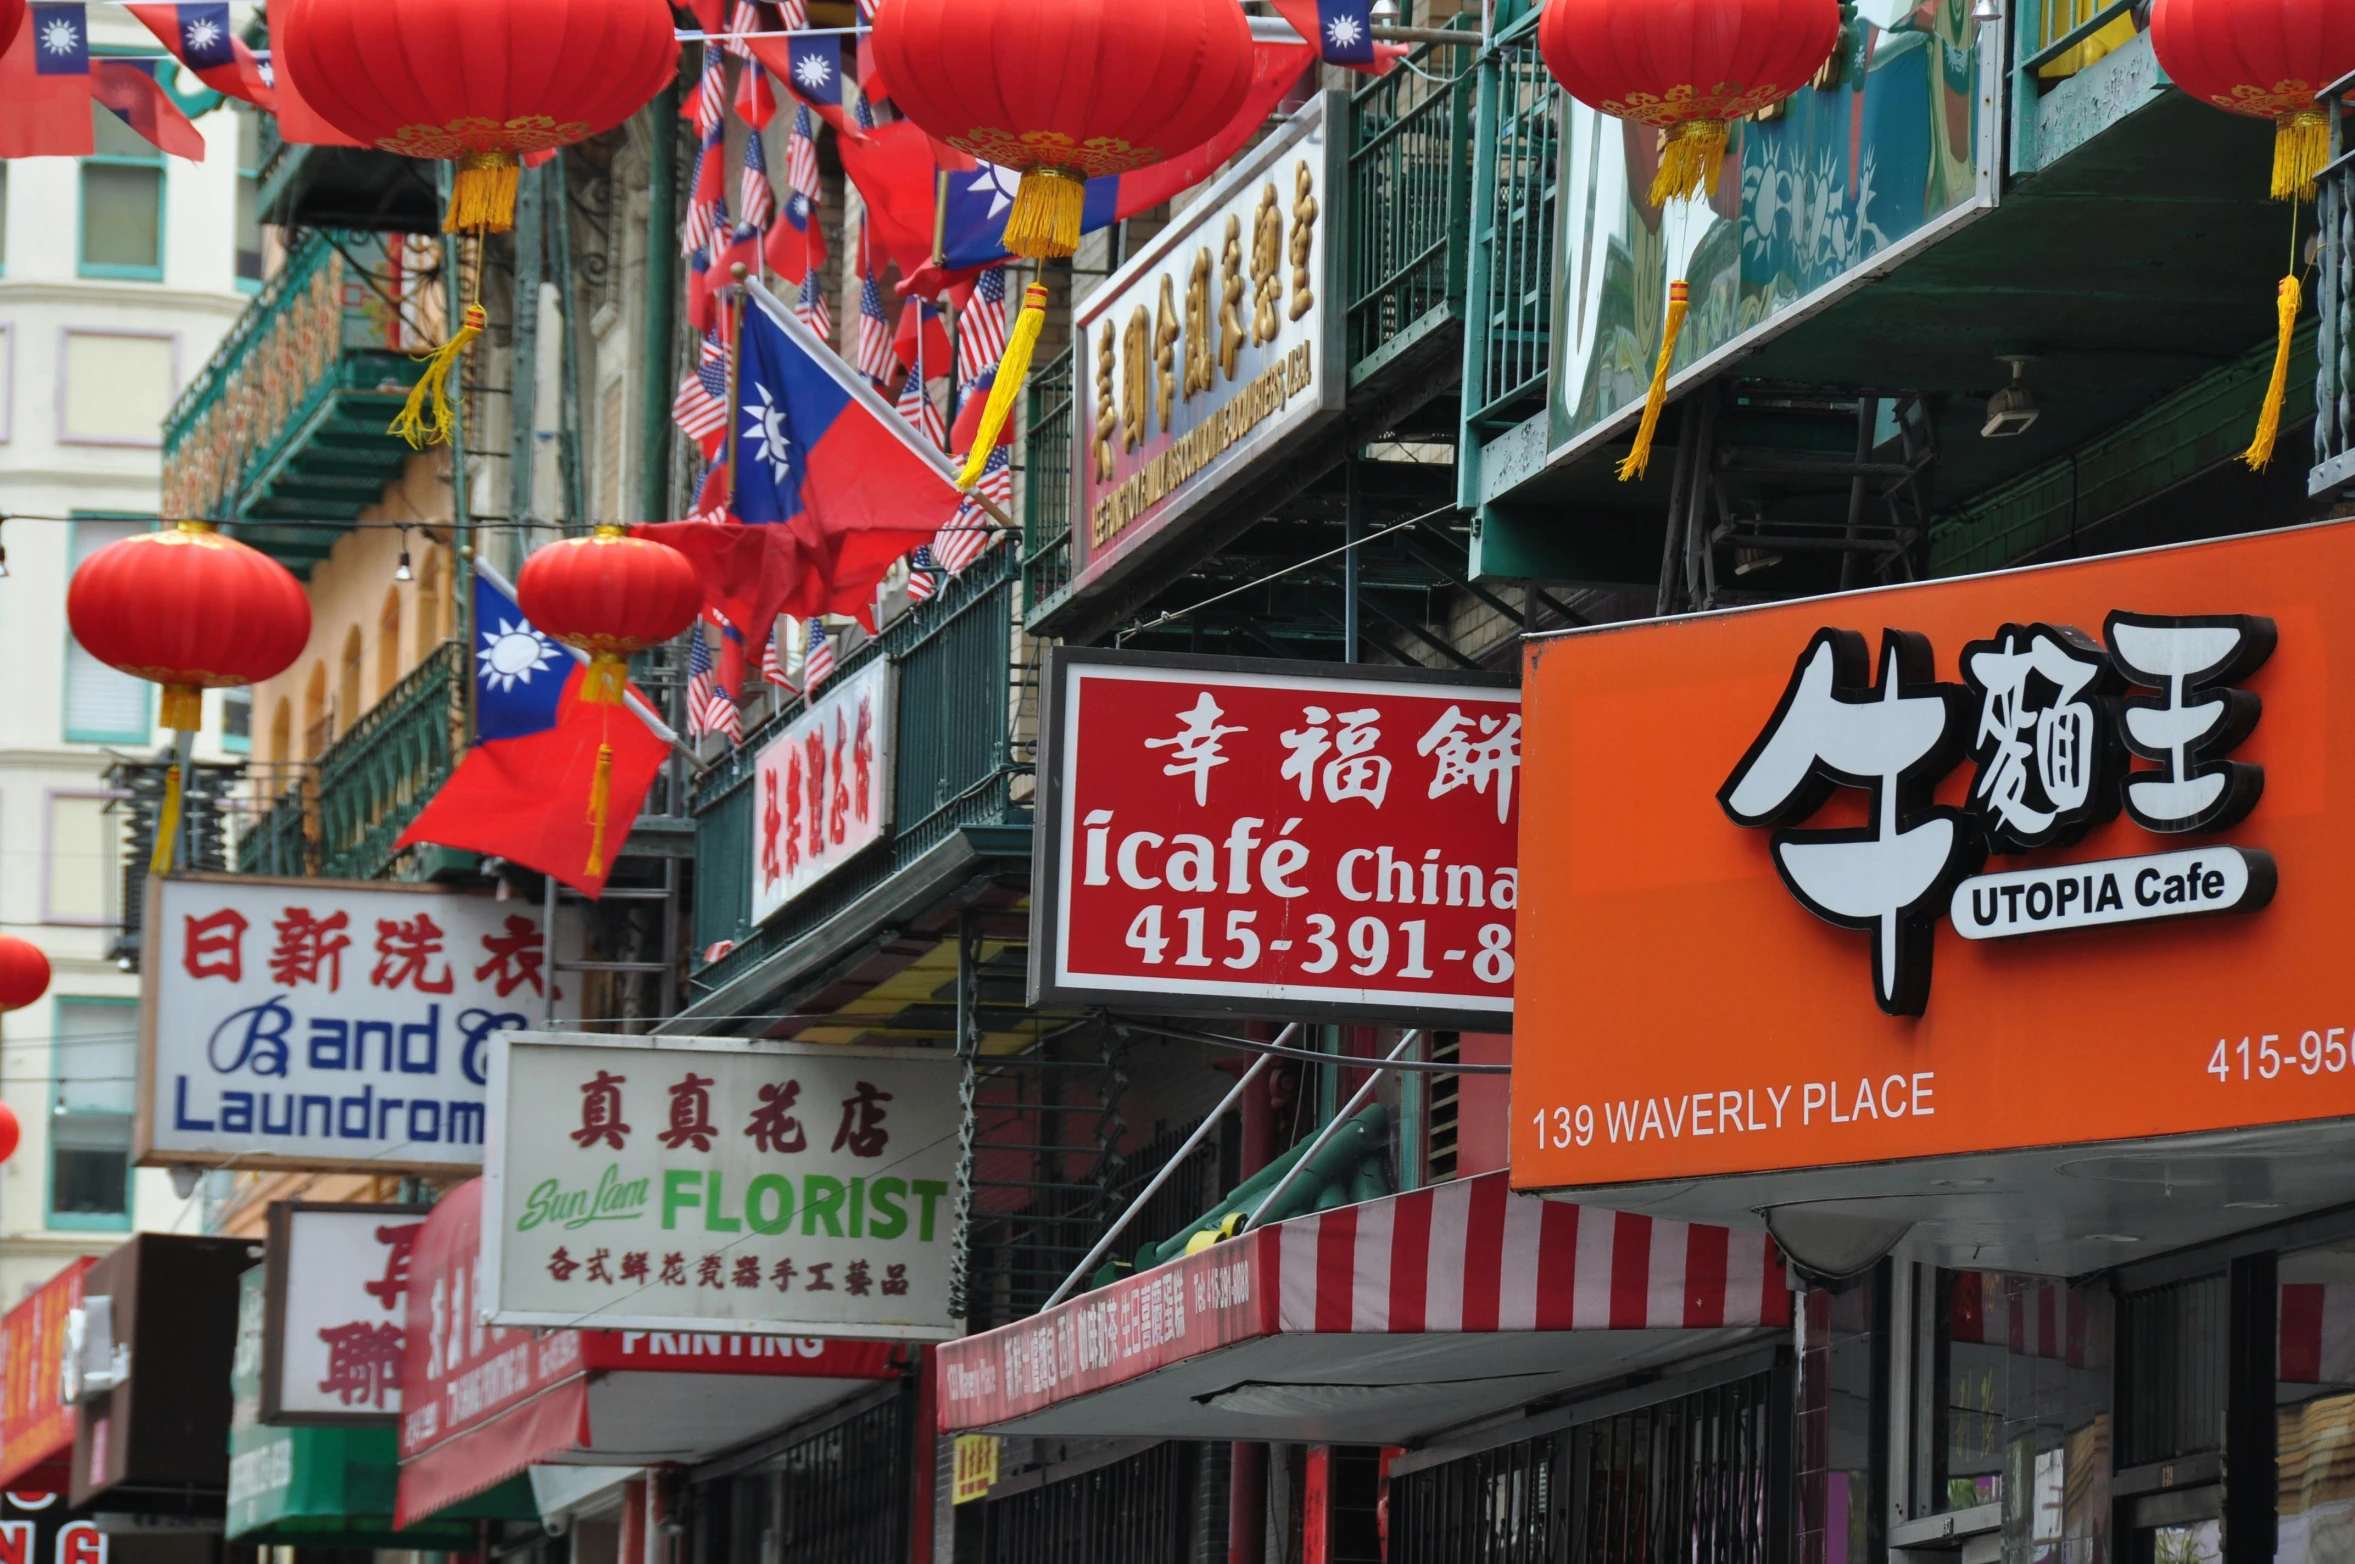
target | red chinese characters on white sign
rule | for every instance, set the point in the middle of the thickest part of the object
(823, 789)
(1259, 840)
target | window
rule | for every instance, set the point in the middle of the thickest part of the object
(282, 732)
(102, 706)
(237, 721)
(429, 604)
(84, 859)
(388, 644)
(122, 203)
(347, 689)
(95, 1054)
(118, 387)
(318, 721)
(249, 199)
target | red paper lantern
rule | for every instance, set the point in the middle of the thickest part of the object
(1686, 67)
(191, 610)
(479, 81)
(12, 16)
(24, 975)
(1065, 90)
(610, 595)
(2266, 59)
(10, 1132)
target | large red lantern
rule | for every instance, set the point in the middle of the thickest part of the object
(191, 610)
(1686, 68)
(10, 1132)
(608, 594)
(24, 974)
(483, 82)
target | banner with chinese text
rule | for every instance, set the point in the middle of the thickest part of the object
(1203, 358)
(338, 1293)
(824, 788)
(323, 1023)
(717, 1184)
(1231, 834)
(36, 1426)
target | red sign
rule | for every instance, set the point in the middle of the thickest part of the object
(1278, 838)
(36, 1429)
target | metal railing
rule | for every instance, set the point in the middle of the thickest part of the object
(1410, 168)
(1134, 1510)
(954, 761)
(2334, 287)
(1046, 485)
(376, 778)
(1511, 282)
(279, 839)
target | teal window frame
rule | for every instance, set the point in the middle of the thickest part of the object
(115, 271)
(85, 1221)
(249, 180)
(74, 735)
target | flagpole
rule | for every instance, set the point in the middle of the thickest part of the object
(735, 369)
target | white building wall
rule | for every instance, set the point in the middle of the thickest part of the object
(71, 446)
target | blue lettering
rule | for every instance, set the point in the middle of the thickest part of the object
(285, 1124)
(430, 1127)
(237, 1112)
(466, 1124)
(180, 1118)
(426, 1035)
(331, 1044)
(365, 1103)
(361, 1032)
(262, 1042)
(477, 1026)
(384, 1108)
(326, 1107)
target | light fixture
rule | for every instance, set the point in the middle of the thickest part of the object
(1385, 13)
(1987, 11)
(2012, 410)
(402, 572)
(1827, 1246)
(185, 1177)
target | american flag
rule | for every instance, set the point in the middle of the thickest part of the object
(867, 9)
(801, 161)
(918, 408)
(812, 309)
(972, 530)
(818, 662)
(701, 407)
(743, 17)
(923, 575)
(711, 95)
(753, 194)
(772, 666)
(877, 361)
(981, 330)
(707, 202)
(709, 708)
(797, 14)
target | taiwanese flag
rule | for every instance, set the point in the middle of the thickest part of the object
(46, 85)
(129, 89)
(810, 64)
(979, 197)
(522, 791)
(1343, 31)
(796, 242)
(200, 37)
(831, 485)
(892, 166)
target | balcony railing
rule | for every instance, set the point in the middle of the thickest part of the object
(341, 815)
(1410, 170)
(287, 420)
(956, 752)
(1046, 485)
(2334, 286)
(1513, 235)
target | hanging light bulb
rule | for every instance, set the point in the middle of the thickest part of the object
(402, 572)
(1385, 13)
(1987, 11)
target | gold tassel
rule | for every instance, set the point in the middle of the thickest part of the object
(183, 704)
(1691, 162)
(600, 799)
(417, 426)
(1011, 370)
(608, 677)
(167, 825)
(1049, 205)
(2301, 148)
(1680, 296)
(482, 196)
(2260, 452)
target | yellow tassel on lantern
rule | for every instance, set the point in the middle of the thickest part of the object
(167, 825)
(416, 424)
(600, 800)
(1011, 369)
(482, 196)
(608, 678)
(1049, 205)
(1691, 162)
(2301, 149)
(182, 705)
(2260, 452)
(1680, 295)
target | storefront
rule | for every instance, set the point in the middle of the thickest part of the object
(1980, 939)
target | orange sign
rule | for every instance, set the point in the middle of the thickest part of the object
(2058, 861)
(36, 1428)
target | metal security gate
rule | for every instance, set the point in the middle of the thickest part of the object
(843, 1495)
(1698, 1480)
(1130, 1512)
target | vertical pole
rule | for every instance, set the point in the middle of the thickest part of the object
(523, 359)
(461, 521)
(548, 952)
(1353, 527)
(735, 372)
(1867, 409)
(2251, 1480)
(662, 281)
(1477, 260)
(573, 494)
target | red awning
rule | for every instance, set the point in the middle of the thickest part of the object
(1371, 1324)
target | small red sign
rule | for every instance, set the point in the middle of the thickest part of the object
(1279, 838)
(36, 1429)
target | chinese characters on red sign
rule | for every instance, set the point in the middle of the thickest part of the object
(1254, 840)
(824, 789)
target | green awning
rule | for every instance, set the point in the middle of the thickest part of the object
(333, 1488)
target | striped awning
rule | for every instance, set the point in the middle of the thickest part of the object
(1371, 1323)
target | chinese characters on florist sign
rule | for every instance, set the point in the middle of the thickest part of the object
(2011, 819)
(723, 1185)
(320, 1023)
(1278, 838)
(1211, 354)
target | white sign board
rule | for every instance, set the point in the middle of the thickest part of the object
(715, 1184)
(824, 789)
(329, 1024)
(338, 1303)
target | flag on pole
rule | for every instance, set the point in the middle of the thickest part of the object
(130, 91)
(918, 408)
(1343, 32)
(811, 307)
(201, 38)
(877, 361)
(810, 65)
(923, 576)
(817, 664)
(46, 86)
(754, 196)
(981, 328)
(707, 200)
(701, 407)
(772, 666)
(710, 709)
(969, 533)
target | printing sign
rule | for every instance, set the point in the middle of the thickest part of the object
(824, 789)
(338, 1293)
(1273, 838)
(2072, 839)
(722, 1185)
(1201, 359)
(324, 1023)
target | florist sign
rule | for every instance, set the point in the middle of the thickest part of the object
(718, 1184)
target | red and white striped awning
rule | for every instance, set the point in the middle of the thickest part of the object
(1374, 1323)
